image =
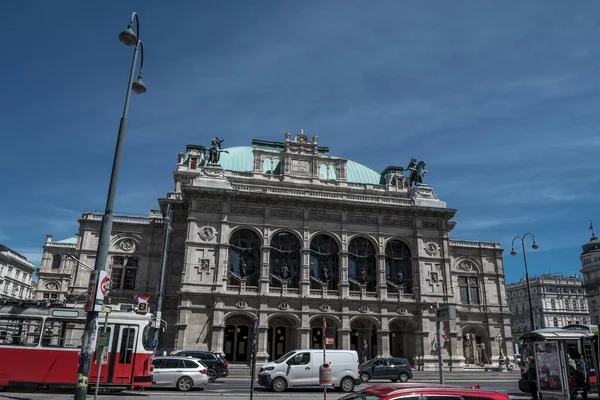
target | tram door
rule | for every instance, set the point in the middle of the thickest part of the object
(591, 362)
(122, 357)
(104, 372)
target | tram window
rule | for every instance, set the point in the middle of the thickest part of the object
(126, 347)
(20, 331)
(62, 333)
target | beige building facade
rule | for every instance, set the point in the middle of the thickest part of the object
(289, 235)
(16, 273)
(590, 268)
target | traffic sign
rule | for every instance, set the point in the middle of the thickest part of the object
(154, 342)
(104, 285)
(446, 313)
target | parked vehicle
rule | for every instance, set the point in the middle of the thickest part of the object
(300, 368)
(425, 391)
(393, 368)
(43, 341)
(183, 373)
(216, 364)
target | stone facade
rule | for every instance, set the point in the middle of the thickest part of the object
(590, 268)
(557, 301)
(15, 275)
(284, 233)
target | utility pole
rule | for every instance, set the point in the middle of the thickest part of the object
(161, 285)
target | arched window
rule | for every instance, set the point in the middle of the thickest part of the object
(331, 172)
(582, 304)
(267, 166)
(323, 171)
(553, 304)
(555, 321)
(362, 264)
(285, 260)
(398, 266)
(324, 262)
(567, 304)
(244, 257)
(56, 260)
(574, 304)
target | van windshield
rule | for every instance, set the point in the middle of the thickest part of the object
(284, 357)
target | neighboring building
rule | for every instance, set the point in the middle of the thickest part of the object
(15, 275)
(590, 268)
(288, 234)
(557, 301)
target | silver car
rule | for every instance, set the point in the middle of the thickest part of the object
(182, 373)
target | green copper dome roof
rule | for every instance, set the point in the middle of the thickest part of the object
(241, 159)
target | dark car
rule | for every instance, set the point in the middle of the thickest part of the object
(216, 365)
(393, 368)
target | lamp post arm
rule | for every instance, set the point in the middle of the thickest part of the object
(135, 16)
(141, 56)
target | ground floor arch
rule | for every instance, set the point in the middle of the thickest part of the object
(332, 337)
(282, 335)
(237, 340)
(363, 337)
(476, 345)
(403, 339)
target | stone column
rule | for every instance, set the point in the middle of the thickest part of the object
(344, 337)
(262, 353)
(381, 278)
(263, 282)
(305, 273)
(304, 338)
(218, 339)
(383, 343)
(344, 286)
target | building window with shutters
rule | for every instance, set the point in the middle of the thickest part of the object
(123, 272)
(469, 290)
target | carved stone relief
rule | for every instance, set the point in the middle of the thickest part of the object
(210, 207)
(207, 232)
(323, 216)
(432, 248)
(401, 310)
(466, 266)
(237, 209)
(301, 167)
(324, 307)
(282, 213)
(127, 245)
(431, 225)
(241, 304)
(362, 219)
(283, 306)
(390, 221)
(363, 309)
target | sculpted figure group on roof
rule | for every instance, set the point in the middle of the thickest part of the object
(416, 172)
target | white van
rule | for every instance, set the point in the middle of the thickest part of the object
(300, 368)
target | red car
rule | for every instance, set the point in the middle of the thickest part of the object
(424, 391)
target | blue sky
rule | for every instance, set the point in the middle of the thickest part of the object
(501, 99)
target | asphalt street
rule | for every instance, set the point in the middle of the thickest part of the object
(240, 390)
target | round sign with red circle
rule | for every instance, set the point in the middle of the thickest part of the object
(104, 285)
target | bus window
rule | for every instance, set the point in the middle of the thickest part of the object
(62, 333)
(15, 331)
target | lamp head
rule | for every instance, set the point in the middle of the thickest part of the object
(513, 252)
(139, 87)
(535, 246)
(128, 37)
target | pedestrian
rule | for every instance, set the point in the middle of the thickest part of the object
(532, 379)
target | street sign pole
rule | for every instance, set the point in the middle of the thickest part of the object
(253, 366)
(106, 310)
(324, 348)
(443, 313)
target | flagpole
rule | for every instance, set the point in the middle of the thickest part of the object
(592, 229)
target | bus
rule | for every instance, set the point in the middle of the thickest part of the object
(40, 343)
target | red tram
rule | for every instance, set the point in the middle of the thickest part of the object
(40, 346)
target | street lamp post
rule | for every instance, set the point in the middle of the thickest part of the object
(534, 246)
(129, 38)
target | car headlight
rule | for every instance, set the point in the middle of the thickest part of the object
(267, 369)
